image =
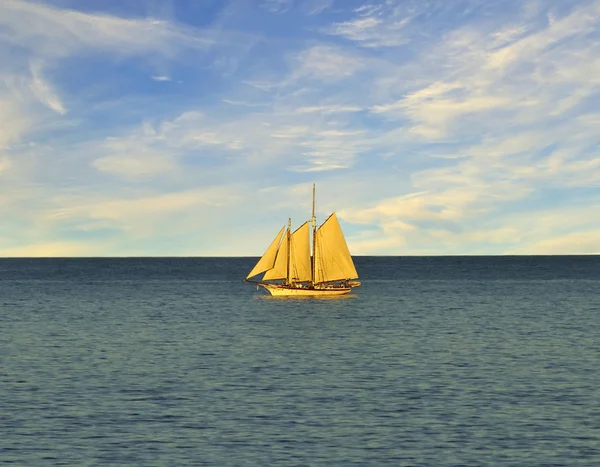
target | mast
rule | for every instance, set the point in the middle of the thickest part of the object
(314, 237)
(288, 235)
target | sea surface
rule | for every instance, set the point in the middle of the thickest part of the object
(454, 361)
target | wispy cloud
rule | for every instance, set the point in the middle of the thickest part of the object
(368, 32)
(36, 35)
(327, 63)
(276, 6)
(329, 109)
(315, 7)
(133, 167)
(509, 138)
(50, 31)
(42, 90)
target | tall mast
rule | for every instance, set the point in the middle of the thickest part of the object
(314, 237)
(288, 238)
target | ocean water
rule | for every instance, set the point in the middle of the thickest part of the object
(477, 361)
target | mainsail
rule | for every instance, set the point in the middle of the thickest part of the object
(268, 258)
(300, 255)
(333, 261)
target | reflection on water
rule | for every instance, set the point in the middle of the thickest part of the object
(299, 297)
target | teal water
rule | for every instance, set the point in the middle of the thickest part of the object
(169, 362)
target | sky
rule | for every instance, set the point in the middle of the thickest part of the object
(197, 127)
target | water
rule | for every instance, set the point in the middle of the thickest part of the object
(433, 362)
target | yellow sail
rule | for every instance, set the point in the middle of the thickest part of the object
(300, 254)
(268, 258)
(280, 268)
(332, 257)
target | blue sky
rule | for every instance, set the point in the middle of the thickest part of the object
(150, 128)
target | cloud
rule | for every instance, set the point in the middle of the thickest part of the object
(244, 103)
(52, 249)
(315, 7)
(161, 78)
(329, 109)
(327, 63)
(14, 121)
(580, 22)
(276, 6)
(306, 7)
(126, 211)
(134, 167)
(578, 243)
(476, 94)
(37, 38)
(54, 32)
(375, 245)
(138, 217)
(5, 164)
(42, 90)
(318, 141)
(434, 117)
(376, 26)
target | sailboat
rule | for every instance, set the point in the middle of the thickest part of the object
(291, 269)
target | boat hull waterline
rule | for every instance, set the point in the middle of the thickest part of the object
(282, 291)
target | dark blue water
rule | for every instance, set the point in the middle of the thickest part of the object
(432, 362)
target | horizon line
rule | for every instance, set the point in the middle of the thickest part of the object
(562, 255)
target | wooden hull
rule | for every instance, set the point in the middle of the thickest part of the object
(283, 291)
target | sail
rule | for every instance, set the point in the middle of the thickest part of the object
(280, 268)
(332, 257)
(268, 258)
(300, 254)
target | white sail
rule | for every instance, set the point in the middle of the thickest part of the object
(300, 254)
(267, 260)
(332, 258)
(280, 268)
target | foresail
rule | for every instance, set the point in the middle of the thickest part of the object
(332, 258)
(267, 260)
(280, 268)
(300, 254)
